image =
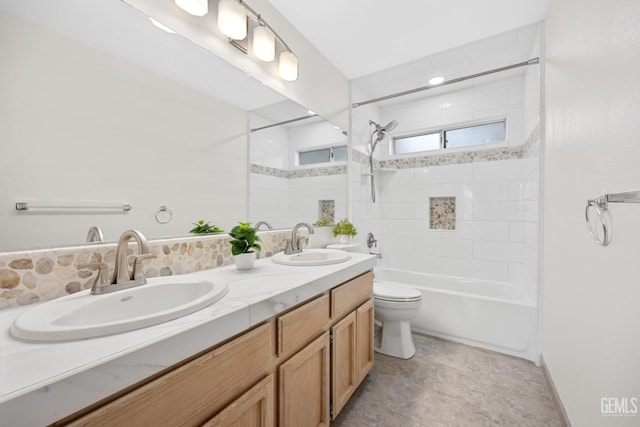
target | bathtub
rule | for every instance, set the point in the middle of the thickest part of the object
(492, 315)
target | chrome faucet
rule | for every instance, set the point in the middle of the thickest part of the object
(121, 278)
(95, 235)
(265, 223)
(294, 244)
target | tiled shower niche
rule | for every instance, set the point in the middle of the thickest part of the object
(442, 213)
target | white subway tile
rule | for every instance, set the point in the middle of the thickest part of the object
(516, 231)
(444, 247)
(498, 170)
(498, 211)
(445, 174)
(498, 251)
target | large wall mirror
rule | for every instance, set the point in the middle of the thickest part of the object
(298, 166)
(94, 119)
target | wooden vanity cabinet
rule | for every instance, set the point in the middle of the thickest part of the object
(352, 339)
(296, 369)
(190, 394)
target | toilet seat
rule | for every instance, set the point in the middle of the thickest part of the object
(395, 292)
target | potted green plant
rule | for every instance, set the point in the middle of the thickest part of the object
(345, 230)
(202, 227)
(242, 245)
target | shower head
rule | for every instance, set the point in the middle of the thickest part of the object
(383, 129)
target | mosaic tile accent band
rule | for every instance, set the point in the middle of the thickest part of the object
(28, 277)
(298, 173)
(442, 213)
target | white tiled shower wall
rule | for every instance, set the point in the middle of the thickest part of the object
(488, 242)
(497, 202)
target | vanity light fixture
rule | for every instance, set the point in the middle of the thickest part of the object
(193, 7)
(288, 66)
(264, 43)
(232, 19)
(434, 81)
(233, 22)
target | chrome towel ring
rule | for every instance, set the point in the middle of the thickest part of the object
(600, 210)
(164, 215)
(601, 207)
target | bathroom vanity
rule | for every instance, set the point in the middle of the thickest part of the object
(286, 346)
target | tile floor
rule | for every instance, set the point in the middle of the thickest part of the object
(450, 384)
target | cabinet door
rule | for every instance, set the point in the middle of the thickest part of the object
(364, 339)
(255, 408)
(304, 386)
(344, 376)
(190, 394)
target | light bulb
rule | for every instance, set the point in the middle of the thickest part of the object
(264, 44)
(194, 7)
(288, 66)
(232, 19)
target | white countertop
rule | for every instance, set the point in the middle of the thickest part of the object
(43, 382)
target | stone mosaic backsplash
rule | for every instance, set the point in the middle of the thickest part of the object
(28, 277)
(442, 213)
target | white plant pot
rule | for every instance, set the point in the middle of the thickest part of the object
(322, 236)
(245, 261)
(345, 238)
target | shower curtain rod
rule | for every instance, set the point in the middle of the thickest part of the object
(531, 61)
(297, 119)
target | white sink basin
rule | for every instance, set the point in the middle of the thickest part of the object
(310, 257)
(83, 315)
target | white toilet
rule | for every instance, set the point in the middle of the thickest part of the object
(395, 305)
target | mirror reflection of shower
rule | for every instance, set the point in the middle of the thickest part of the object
(380, 133)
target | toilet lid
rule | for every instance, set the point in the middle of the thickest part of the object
(395, 292)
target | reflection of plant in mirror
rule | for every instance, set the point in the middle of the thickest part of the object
(322, 222)
(244, 239)
(202, 227)
(344, 228)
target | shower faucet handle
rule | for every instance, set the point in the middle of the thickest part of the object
(371, 241)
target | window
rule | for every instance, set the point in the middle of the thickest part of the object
(451, 138)
(474, 135)
(323, 155)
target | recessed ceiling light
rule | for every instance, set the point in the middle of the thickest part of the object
(161, 26)
(433, 81)
(446, 105)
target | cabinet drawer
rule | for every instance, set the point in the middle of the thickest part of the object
(345, 298)
(191, 393)
(299, 326)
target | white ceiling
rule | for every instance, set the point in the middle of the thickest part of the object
(368, 40)
(361, 37)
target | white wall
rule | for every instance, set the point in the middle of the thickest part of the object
(79, 124)
(591, 294)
